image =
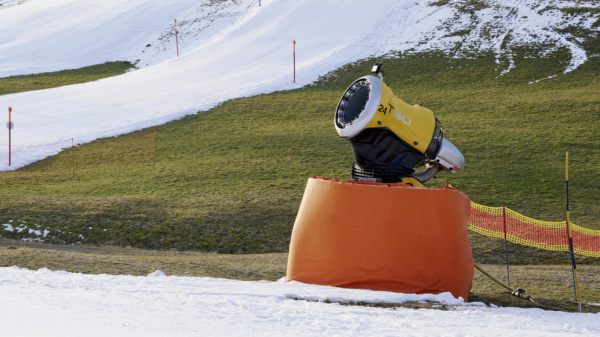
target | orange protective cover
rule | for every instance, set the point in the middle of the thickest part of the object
(378, 236)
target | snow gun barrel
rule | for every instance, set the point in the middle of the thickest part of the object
(390, 137)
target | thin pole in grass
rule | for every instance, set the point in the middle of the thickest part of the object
(505, 242)
(573, 266)
(294, 61)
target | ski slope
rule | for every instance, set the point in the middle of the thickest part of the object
(231, 49)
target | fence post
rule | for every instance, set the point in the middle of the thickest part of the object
(505, 242)
(570, 239)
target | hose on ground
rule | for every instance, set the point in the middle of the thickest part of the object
(519, 293)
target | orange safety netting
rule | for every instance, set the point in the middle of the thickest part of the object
(79, 156)
(502, 222)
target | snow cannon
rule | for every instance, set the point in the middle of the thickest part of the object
(393, 236)
(390, 137)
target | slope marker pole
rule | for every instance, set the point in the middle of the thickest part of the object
(505, 242)
(573, 266)
(176, 41)
(10, 126)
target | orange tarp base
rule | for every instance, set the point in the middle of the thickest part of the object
(376, 236)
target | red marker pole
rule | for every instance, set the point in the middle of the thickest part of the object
(294, 61)
(9, 128)
(176, 41)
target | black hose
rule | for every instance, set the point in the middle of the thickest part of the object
(519, 293)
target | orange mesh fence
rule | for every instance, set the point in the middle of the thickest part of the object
(502, 222)
(70, 158)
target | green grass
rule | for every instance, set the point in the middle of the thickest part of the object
(135, 262)
(230, 179)
(14, 84)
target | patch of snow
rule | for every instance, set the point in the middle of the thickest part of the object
(9, 3)
(157, 273)
(35, 231)
(47, 303)
(32, 239)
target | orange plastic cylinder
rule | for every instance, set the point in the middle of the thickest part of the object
(376, 236)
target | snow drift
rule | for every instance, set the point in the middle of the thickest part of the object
(46, 303)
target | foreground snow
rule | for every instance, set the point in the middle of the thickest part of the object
(47, 303)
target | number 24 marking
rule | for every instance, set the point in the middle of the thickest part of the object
(399, 116)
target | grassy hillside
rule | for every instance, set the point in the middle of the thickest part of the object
(230, 179)
(13, 84)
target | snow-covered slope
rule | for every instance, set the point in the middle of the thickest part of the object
(46, 303)
(40, 36)
(235, 48)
